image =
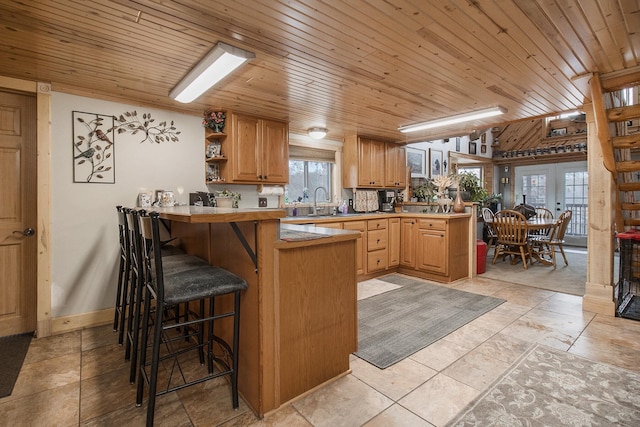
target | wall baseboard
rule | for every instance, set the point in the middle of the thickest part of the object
(60, 325)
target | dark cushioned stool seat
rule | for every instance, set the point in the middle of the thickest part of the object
(195, 284)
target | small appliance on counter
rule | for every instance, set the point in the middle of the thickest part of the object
(386, 199)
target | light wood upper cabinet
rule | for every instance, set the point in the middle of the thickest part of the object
(395, 166)
(363, 163)
(260, 151)
(368, 163)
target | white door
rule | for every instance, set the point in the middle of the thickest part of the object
(558, 187)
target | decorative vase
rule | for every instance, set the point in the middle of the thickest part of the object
(458, 204)
(224, 202)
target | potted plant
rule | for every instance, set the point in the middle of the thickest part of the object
(425, 192)
(227, 199)
(470, 184)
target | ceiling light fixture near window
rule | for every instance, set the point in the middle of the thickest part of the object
(452, 120)
(317, 133)
(221, 61)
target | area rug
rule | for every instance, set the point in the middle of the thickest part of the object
(13, 349)
(549, 387)
(568, 279)
(398, 323)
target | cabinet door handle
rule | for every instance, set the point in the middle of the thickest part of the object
(378, 241)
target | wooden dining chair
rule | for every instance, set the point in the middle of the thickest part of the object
(487, 216)
(549, 245)
(511, 236)
(541, 213)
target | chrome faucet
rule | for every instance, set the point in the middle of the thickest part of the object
(315, 198)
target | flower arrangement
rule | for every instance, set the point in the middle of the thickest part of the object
(214, 120)
(442, 182)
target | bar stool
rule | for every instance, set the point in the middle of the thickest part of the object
(171, 287)
(174, 260)
(124, 275)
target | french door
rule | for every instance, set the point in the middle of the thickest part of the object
(557, 187)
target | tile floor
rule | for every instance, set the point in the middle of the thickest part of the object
(80, 378)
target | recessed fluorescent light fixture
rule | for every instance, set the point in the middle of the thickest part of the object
(452, 120)
(221, 61)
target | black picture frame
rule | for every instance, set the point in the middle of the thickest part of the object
(472, 147)
(483, 149)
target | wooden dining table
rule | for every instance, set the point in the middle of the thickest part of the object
(537, 224)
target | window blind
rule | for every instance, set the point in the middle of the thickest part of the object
(297, 152)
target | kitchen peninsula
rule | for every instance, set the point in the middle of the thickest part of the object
(299, 313)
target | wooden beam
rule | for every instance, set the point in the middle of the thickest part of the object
(626, 141)
(628, 166)
(602, 125)
(617, 81)
(620, 114)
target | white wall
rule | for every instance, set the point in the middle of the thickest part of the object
(84, 230)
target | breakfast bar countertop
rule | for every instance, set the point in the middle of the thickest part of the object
(207, 214)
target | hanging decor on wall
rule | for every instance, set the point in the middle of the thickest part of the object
(129, 122)
(93, 149)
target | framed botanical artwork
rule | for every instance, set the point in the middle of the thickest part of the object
(483, 138)
(417, 160)
(483, 149)
(472, 147)
(435, 162)
(458, 144)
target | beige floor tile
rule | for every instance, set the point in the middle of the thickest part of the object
(345, 402)
(100, 360)
(565, 304)
(481, 286)
(523, 295)
(614, 331)
(209, 403)
(529, 330)
(373, 287)
(283, 417)
(47, 374)
(98, 337)
(53, 346)
(607, 352)
(106, 393)
(504, 347)
(397, 416)
(478, 369)
(439, 399)
(169, 413)
(54, 407)
(440, 354)
(469, 336)
(395, 381)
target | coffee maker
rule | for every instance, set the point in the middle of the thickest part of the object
(386, 200)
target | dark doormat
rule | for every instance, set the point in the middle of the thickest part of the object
(13, 349)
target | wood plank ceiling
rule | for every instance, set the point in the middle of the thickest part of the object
(354, 66)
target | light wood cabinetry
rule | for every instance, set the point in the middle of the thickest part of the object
(408, 228)
(216, 149)
(394, 242)
(432, 246)
(436, 248)
(377, 240)
(259, 151)
(395, 175)
(361, 243)
(363, 163)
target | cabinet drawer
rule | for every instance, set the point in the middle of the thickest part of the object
(377, 260)
(432, 224)
(377, 224)
(377, 239)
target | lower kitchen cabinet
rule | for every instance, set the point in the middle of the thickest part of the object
(361, 245)
(394, 242)
(408, 227)
(377, 240)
